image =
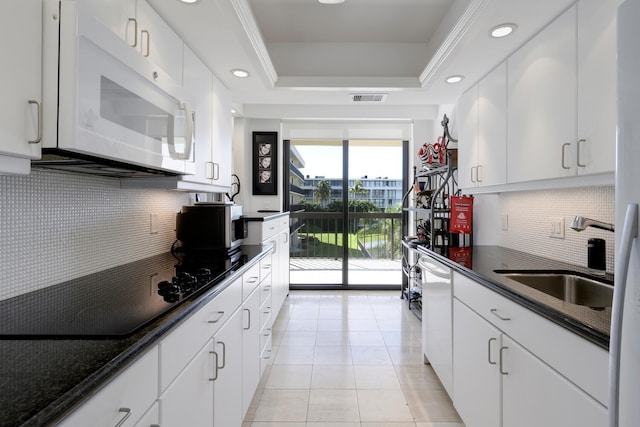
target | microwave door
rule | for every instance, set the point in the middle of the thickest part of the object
(116, 105)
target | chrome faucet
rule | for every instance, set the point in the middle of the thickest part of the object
(579, 223)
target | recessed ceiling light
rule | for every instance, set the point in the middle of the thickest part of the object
(502, 30)
(454, 79)
(189, 1)
(240, 73)
(331, 1)
(233, 111)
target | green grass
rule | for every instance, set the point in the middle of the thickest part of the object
(330, 245)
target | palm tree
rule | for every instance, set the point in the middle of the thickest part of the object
(358, 188)
(323, 192)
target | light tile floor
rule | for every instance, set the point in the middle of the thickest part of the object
(349, 359)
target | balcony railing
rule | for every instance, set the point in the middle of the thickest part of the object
(370, 235)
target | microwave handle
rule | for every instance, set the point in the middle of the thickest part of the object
(188, 131)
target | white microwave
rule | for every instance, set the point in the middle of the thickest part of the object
(116, 113)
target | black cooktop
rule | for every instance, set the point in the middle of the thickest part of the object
(115, 302)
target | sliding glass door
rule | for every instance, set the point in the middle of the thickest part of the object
(345, 201)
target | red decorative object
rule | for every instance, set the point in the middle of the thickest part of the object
(461, 214)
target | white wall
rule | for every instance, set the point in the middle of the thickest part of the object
(529, 214)
(57, 226)
(242, 163)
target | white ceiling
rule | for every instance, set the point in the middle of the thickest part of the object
(305, 58)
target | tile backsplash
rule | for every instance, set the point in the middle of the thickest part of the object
(59, 226)
(529, 223)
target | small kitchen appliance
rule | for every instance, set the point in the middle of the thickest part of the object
(211, 227)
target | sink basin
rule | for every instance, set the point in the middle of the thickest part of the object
(567, 286)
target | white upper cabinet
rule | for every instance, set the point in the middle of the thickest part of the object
(137, 23)
(596, 86)
(157, 41)
(482, 143)
(117, 15)
(561, 97)
(492, 129)
(222, 135)
(20, 110)
(542, 104)
(198, 86)
(467, 116)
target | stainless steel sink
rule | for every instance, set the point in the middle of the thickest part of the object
(567, 286)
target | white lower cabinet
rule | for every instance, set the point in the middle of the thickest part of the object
(202, 374)
(510, 369)
(535, 395)
(274, 232)
(151, 418)
(476, 377)
(250, 348)
(227, 389)
(189, 399)
(124, 400)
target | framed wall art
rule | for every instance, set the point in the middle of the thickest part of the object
(265, 163)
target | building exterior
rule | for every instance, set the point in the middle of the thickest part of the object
(381, 191)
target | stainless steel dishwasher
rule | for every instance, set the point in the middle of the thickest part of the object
(437, 318)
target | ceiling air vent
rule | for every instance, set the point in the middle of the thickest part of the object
(368, 97)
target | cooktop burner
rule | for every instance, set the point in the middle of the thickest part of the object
(115, 302)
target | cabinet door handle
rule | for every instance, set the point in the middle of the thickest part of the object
(494, 311)
(127, 413)
(217, 319)
(580, 142)
(479, 173)
(39, 134)
(472, 170)
(209, 171)
(216, 171)
(224, 355)
(135, 31)
(564, 146)
(146, 54)
(248, 318)
(489, 351)
(215, 366)
(502, 371)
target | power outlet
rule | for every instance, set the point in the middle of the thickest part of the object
(153, 223)
(504, 221)
(556, 227)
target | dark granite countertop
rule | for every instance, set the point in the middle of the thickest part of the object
(41, 380)
(480, 262)
(264, 215)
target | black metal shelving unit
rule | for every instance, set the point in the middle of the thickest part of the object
(428, 200)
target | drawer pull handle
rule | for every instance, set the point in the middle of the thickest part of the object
(489, 351)
(494, 311)
(127, 413)
(217, 319)
(502, 371)
(267, 288)
(252, 280)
